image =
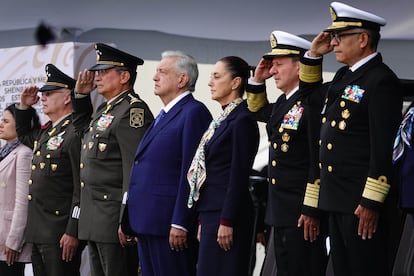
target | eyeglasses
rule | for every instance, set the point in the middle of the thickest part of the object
(337, 36)
(50, 92)
(104, 71)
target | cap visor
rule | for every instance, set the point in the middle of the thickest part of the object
(49, 88)
(97, 67)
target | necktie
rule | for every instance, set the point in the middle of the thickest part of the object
(162, 113)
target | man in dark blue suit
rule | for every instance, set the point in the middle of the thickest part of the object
(158, 192)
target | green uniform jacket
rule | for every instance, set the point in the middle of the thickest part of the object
(54, 183)
(109, 143)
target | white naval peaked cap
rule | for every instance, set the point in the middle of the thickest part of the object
(286, 44)
(346, 17)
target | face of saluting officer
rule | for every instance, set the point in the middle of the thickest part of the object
(56, 103)
(111, 82)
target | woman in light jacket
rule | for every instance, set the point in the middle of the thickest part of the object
(15, 160)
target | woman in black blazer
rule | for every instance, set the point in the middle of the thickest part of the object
(219, 175)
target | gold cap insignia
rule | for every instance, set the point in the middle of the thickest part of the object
(273, 41)
(333, 13)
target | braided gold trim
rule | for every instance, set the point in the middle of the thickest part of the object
(376, 189)
(312, 194)
(255, 101)
(310, 74)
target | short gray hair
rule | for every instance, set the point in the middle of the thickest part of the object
(185, 64)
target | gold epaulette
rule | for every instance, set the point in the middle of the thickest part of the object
(376, 189)
(312, 194)
(310, 74)
(255, 101)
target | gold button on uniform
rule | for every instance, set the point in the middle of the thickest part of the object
(329, 146)
(29, 197)
(280, 129)
(320, 142)
(57, 212)
(30, 182)
(333, 123)
(48, 156)
(82, 184)
(38, 153)
(273, 181)
(105, 196)
(274, 145)
(84, 146)
(33, 167)
(323, 120)
(81, 165)
(330, 169)
(342, 103)
(274, 163)
(342, 125)
(320, 165)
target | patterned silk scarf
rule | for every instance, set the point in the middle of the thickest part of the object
(403, 137)
(197, 173)
(6, 149)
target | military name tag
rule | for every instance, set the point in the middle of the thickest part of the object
(104, 122)
(353, 93)
(292, 118)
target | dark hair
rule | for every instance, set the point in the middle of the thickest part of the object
(238, 67)
(374, 37)
(12, 109)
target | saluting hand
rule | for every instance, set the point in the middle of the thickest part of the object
(69, 246)
(85, 83)
(262, 71)
(321, 45)
(29, 97)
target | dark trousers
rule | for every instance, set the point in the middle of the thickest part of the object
(47, 261)
(17, 269)
(212, 259)
(352, 256)
(297, 257)
(157, 258)
(111, 259)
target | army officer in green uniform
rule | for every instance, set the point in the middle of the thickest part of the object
(53, 210)
(110, 139)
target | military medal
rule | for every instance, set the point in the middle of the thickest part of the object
(292, 118)
(54, 142)
(104, 122)
(353, 93)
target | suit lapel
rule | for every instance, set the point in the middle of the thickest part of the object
(154, 130)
